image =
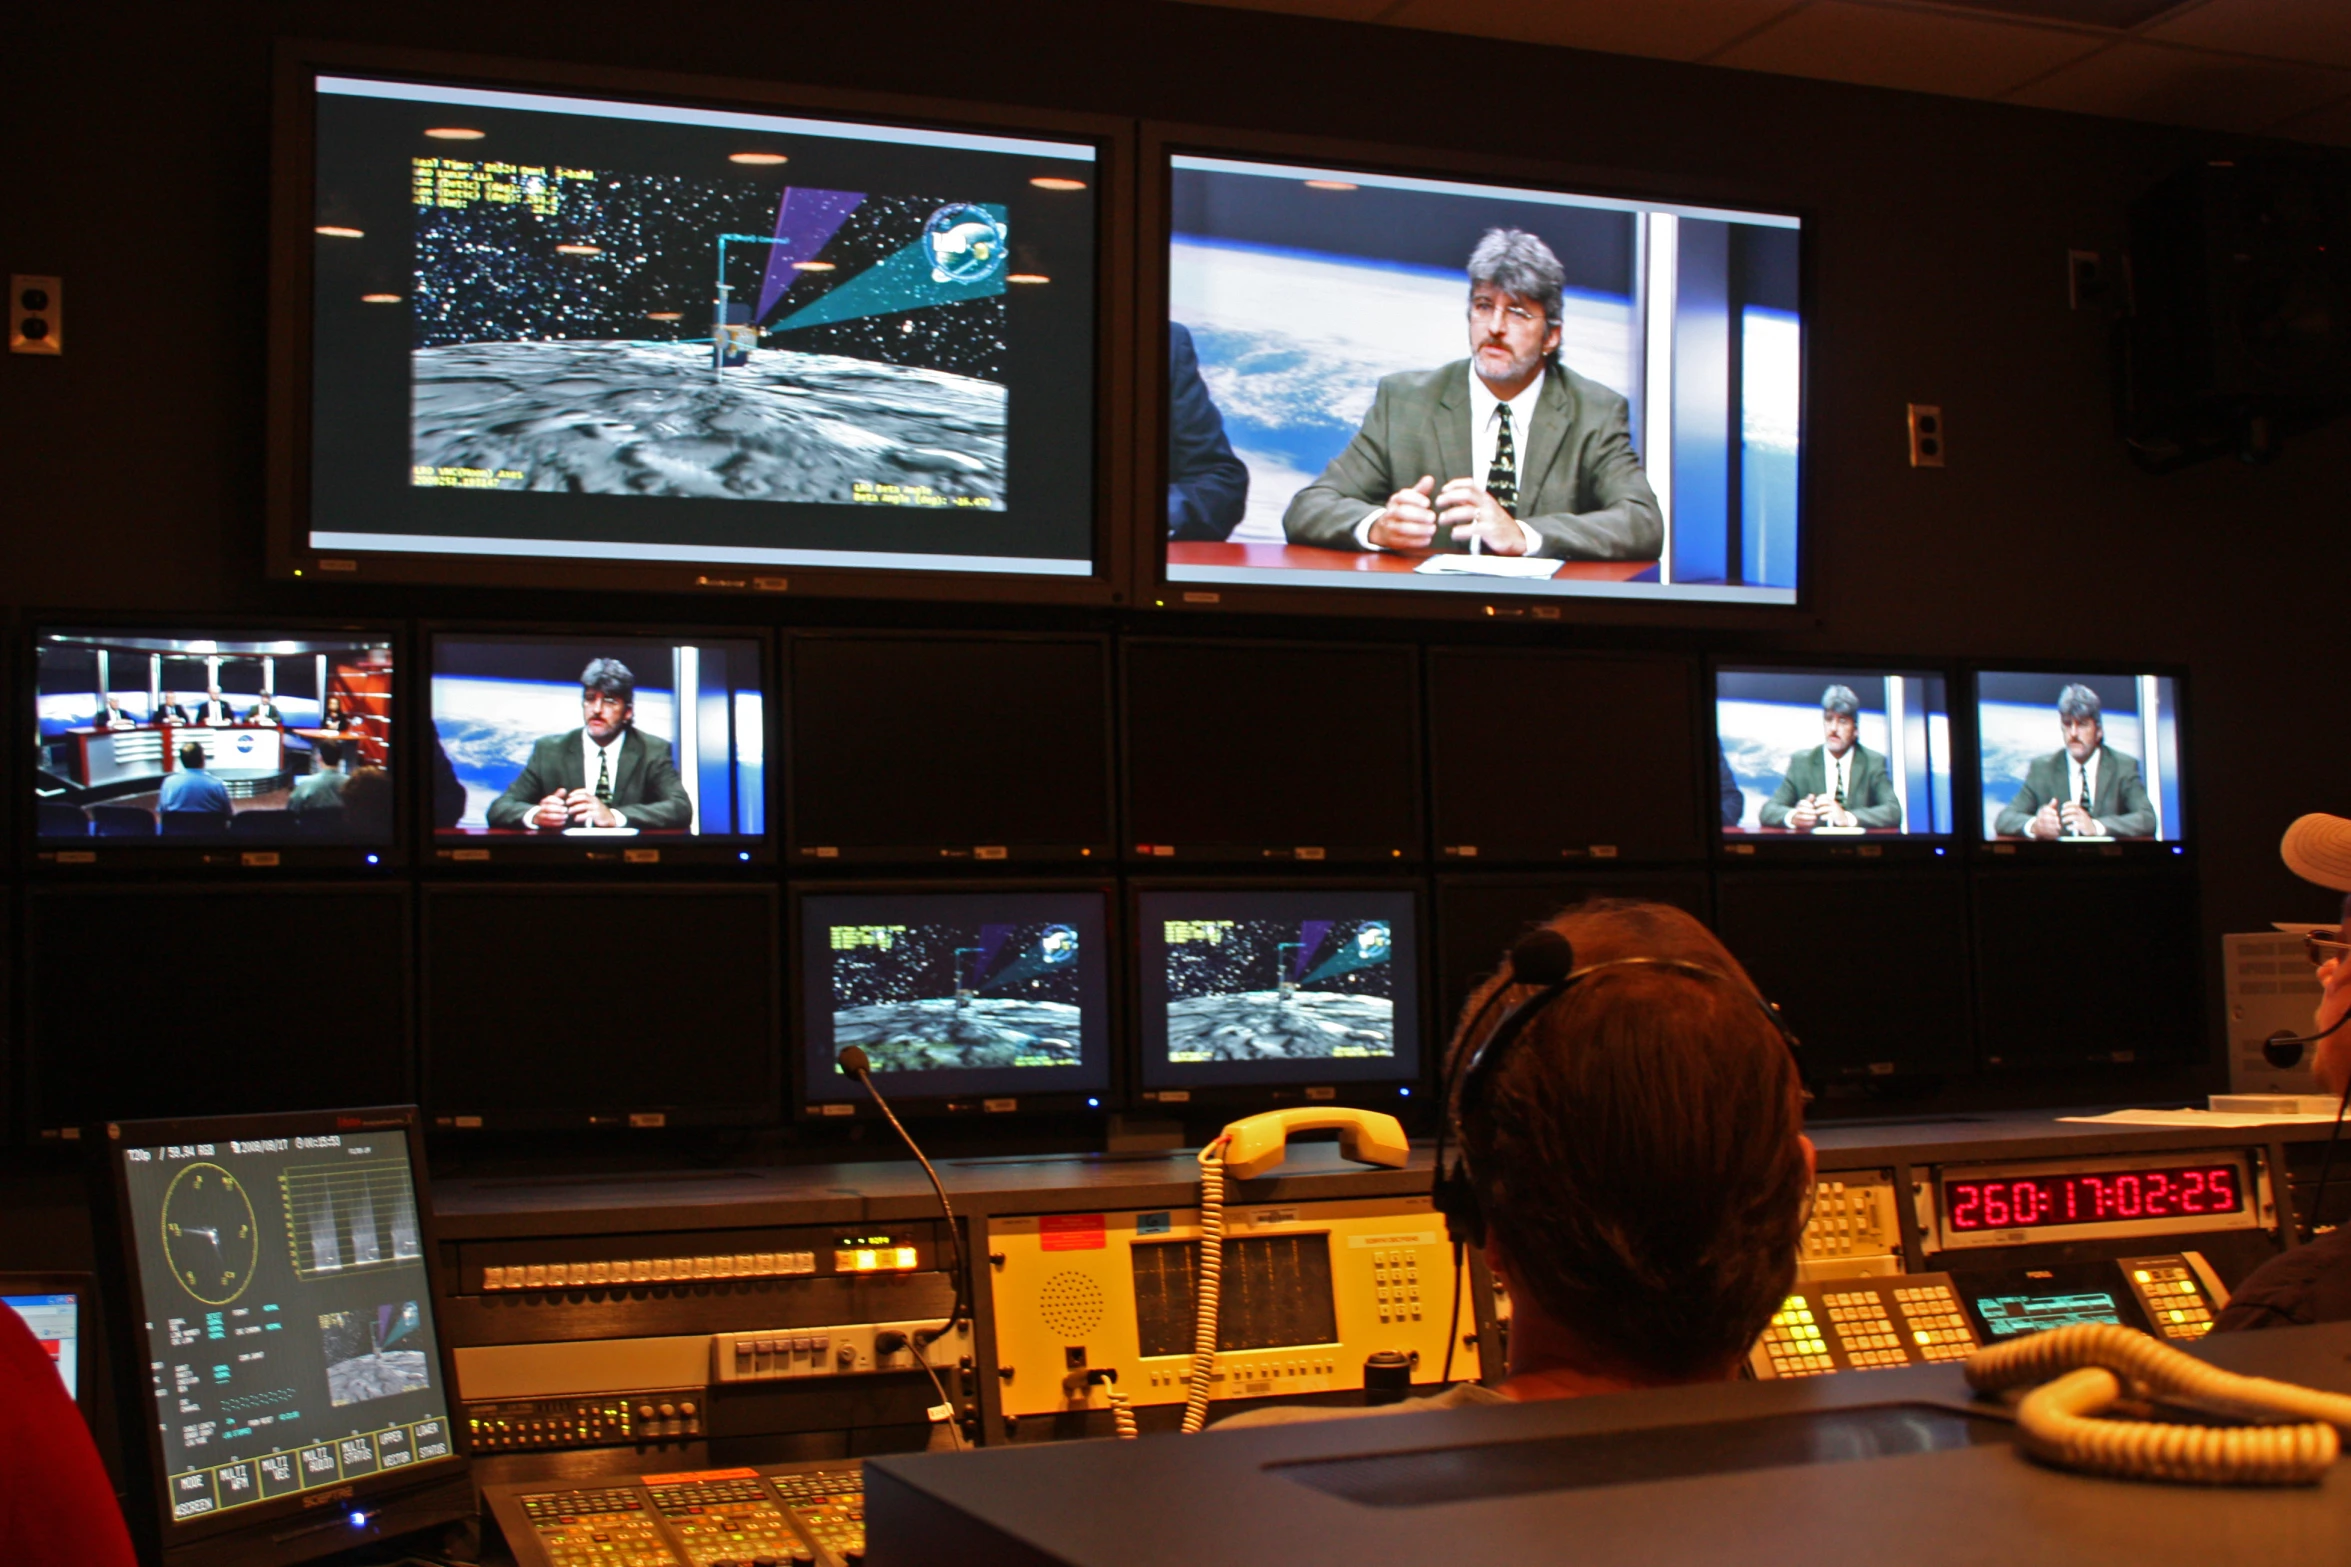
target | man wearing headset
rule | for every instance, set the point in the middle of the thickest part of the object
(1633, 1156)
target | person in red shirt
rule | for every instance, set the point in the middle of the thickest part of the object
(57, 1508)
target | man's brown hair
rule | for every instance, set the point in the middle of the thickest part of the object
(1636, 1151)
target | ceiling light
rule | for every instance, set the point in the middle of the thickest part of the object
(579, 250)
(812, 266)
(1026, 277)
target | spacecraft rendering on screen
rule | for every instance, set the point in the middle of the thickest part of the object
(1279, 990)
(927, 997)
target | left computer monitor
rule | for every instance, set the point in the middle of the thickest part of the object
(245, 746)
(640, 749)
(60, 1309)
(275, 1349)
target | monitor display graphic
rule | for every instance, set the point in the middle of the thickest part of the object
(287, 1317)
(549, 738)
(572, 327)
(2086, 759)
(961, 992)
(56, 1321)
(1387, 382)
(1833, 753)
(182, 737)
(1278, 986)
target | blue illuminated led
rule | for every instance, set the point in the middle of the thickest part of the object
(1938, 851)
(375, 859)
(744, 855)
(1406, 1092)
(359, 1520)
(2176, 849)
(1092, 1103)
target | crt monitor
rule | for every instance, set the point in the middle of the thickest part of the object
(1267, 991)
(982, 999)
(552, 331)
(1340, 342)
(276, 1346)
(184, 737)
(2081, 760)
(558, 744)
(1832, 755)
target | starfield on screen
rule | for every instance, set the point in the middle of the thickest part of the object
(1386, 382)
(562, 327)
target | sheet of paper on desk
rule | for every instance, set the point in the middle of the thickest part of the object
(2214, 1119)
(1487, 566)
(599, 832)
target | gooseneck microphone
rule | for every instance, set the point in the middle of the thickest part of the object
(853, 1061)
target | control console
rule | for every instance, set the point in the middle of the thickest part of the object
(774, 1513)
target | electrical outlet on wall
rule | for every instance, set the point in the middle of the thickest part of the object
(1926, 435)
(36, 316)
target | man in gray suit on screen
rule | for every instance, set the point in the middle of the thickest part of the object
(1507, 452)
(2086, 790)
(602, 774)
(1839, 782)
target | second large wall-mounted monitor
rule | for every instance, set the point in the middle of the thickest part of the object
(962, 999)
(622, 749)
(1278, 992)
(158, 744)
(1833, 759)
(1329, 350)
(580, 336)
(2079, 762)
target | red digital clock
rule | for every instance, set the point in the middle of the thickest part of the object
(2032, 1202)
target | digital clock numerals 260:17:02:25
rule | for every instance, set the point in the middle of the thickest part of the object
(2026, 1201)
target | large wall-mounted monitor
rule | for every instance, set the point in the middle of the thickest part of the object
(963, 998)
(614, 750)
(564, 332)
(1834, 761)
(285, 1394)
(1278, 994)
(2079, 763)
(1341, 340)
(240, 747)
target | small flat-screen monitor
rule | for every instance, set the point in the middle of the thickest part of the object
(1278, 992)
(191, 744)
(1845, 761)
(964, 998)
(2077, 763)
(932, 749)
(608, 749)
(1254, 752)
(675, 1022)
(578, 336)
(61, 1311)
(1339, 341)
(276, 1350)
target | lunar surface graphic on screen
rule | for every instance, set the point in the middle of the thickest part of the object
(1328, 997)
(361, 1362)
(929, 996)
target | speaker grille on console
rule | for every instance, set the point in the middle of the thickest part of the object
(1071, 1304)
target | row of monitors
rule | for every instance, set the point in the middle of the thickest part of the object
(546, 326)
(550, 1005)
(203, 745)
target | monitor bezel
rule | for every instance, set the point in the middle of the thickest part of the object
(1161, 141)
(90, 1325)
(226, 857)
(801, 854)
(426, 1492)
(2140, 853)
(761, 1106)
(1117, 1030)
(693, 854)
(1397, 1092)
(1910, 849)
(289, 554)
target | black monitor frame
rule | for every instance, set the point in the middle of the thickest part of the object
(289, 553)
(1117, 1010)
(465, 854)
(2179, 851)
(1395, 1092)
(224, 856)
(303, 1525)
(1743, 848)
(828, 859)
(1162, 141)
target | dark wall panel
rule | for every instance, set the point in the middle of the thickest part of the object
(1479, 918)
(2086, 969)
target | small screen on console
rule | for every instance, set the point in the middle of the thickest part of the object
(2083, 758)
(2005, 1316)
(1003, 993)
(288, 1318)
(56, 1321)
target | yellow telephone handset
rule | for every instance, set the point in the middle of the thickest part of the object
(1255, 1145)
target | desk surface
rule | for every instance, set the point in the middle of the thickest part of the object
(1233, 1495)
(1306, 557)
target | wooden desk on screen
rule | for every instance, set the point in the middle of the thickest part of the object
(1806, 832)
(1306, 557)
